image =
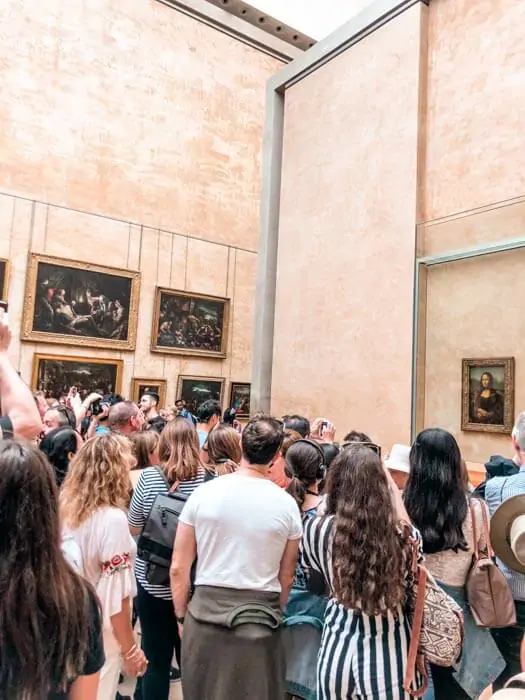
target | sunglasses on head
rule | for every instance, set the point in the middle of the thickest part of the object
(371, 446)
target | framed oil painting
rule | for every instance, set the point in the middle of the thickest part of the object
(140, 386)
(4, 279)
(190, 324)
(240, 398)
(197, 390)
(56, 374)
(76, 303)
(488, 395)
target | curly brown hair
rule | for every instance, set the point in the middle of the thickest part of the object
(371, 553)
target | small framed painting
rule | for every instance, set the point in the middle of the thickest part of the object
(139, 387)
(197, 390)
(240, 399)
(76, 303)
(4, 279)
(56, 374)
(190, 324)
(488, 395)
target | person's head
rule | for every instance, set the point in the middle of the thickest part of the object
(330, 452)
(125, 417)
(179, 452)
(356, 436)
(98, 477)
(300, 424)
(398, 464)
(145, 448)
(44, 604)
(224, 449)
(305, 467)
(60, 446)
(58, 417)
(435, 491)
(180, 405)
(229, 416)
(365, 529)
(487, 380)
(209, 413)
(518, 437)
(261, 440)
(149, 404)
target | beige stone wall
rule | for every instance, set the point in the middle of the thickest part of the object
(343, 326)
(151, 123)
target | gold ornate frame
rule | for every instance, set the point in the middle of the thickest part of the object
(508, 407)
(188, 377)
(63, 338)
(190, 351)
(37, 358)
(4, 291)
(232, 385)
(159, 385)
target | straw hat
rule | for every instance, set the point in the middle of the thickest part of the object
(399, 459)
(507, 533)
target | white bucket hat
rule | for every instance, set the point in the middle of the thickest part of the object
(507, 533)
(398, 459)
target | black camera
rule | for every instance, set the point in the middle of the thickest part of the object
(108, 400)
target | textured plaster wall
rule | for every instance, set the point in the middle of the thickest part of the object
(343, 326)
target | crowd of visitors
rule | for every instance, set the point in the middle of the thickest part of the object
(269, 560)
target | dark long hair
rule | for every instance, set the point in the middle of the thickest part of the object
(46, 609)
(371, 553)
(304, 461)
(435, 496)
(58, 445)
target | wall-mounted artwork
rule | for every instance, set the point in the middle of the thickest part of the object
(139, 387)
(76, 303)
(197, 390)
(240, 398)
(4, 279)
(488, 395)
(56, 374)
(190, 324)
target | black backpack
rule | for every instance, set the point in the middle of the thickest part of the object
(155, 545)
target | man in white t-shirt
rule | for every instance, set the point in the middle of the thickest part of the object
(245, 532)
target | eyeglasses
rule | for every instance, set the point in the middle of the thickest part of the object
(371, 446)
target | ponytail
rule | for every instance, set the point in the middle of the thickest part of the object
(297, 491)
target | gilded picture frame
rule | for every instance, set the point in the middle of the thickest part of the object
(55, 374)
(196, 390)
(487, 395)
(186, 323)
(240, 394)
(77, 303)
(4, 279)
(139, 386)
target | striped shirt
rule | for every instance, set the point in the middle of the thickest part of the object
(497, 490)
(149, 486)
(361, 656)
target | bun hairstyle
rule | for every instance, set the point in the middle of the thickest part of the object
(305, 464)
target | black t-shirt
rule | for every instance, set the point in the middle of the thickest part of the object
(95, 657)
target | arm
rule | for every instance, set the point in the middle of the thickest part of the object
(16, 397)
(136, 519)
(85, 688)
(184, 553)
(82, 407)
(287, 569)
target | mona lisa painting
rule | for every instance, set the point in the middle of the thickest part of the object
(488, 395)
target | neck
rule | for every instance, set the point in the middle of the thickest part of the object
(259, 471)
(152, 414)
(313, 489)
(204, 427)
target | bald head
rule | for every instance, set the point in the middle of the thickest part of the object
(125, 417)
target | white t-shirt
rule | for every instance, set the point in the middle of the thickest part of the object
(242, 525)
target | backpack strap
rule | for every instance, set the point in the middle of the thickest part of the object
(415, 660)
(486, 529)
(171, 487)
(474, 530)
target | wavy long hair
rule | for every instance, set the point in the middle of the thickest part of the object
(224, 449)
(45, 607)
(98, 477)
(371, 553)
(435, 494)
(179, 451)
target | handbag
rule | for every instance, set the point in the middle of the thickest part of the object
(437, 627)
(488, 593)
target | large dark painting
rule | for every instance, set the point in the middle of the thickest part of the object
(4, 276)
(196, 390)
(56, 374)
(76, 303)
(190, 324)
(488, 395)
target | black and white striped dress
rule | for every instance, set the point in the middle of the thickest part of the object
(360, 656)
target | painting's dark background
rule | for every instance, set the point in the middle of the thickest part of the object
(3, 267)
(196, 391)
(100, 300)
(190, 323)
(55, 377)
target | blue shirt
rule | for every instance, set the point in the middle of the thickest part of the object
(203, 436)
(497, 490)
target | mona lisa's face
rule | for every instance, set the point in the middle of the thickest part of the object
(486, 381)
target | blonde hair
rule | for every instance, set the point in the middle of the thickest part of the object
(98, 477)
(179, 452)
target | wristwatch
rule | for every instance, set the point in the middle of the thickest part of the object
(180, 620)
